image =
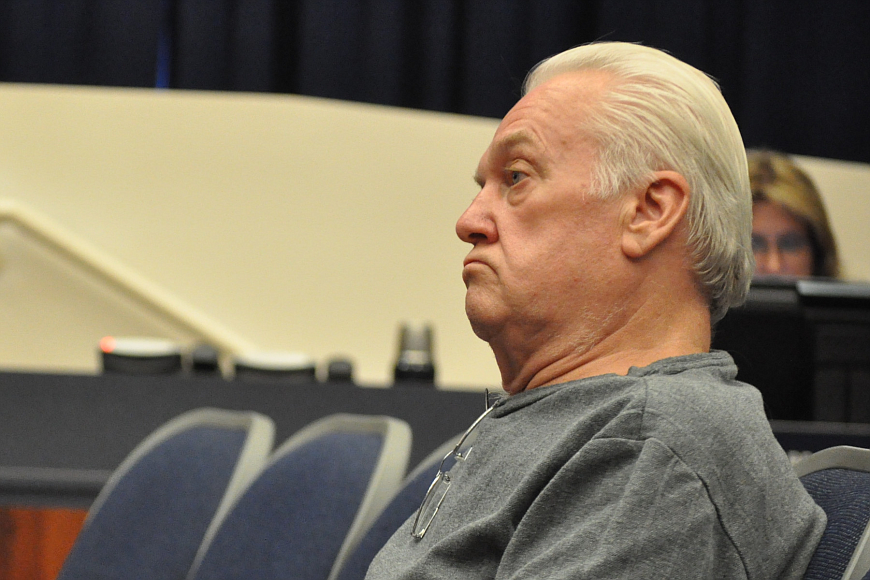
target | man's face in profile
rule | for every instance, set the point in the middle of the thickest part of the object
(542, 246)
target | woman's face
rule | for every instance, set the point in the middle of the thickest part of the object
(780, 242)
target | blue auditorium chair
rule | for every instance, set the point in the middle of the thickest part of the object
(151, 516)
(403, 505)
(838, 479)
(306, 511)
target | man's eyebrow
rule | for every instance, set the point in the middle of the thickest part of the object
(504, 144)
(521, 137)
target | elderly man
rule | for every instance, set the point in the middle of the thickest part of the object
(611, 229)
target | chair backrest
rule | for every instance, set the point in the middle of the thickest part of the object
(306, 511)
(403, 505)
(838, 479)
(151, 516)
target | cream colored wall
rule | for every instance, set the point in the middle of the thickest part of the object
(297, 223)
(845, 188)
(301, 224)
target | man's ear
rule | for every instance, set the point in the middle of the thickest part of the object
(652, 213)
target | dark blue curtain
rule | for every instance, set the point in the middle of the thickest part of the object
(795, 72)
(89, 42)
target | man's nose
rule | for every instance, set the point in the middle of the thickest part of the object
(477, 223)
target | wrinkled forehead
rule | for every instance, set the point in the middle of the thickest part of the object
(551, 117)
(566, 99)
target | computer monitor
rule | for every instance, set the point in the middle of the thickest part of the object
(806, 345)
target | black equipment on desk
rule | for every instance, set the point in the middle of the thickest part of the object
(806, 345)
(414, 363)
(140, 356)
(275, 367)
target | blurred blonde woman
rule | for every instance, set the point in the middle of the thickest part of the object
(791, 235)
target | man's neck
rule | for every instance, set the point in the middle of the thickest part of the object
(650, 333)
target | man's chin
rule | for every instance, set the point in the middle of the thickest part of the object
(483, 332)
(483, 322)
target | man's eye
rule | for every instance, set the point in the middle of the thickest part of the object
(516, 176)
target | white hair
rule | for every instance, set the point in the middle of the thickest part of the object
(660, 113)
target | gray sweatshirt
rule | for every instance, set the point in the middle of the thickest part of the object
(669, 472)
